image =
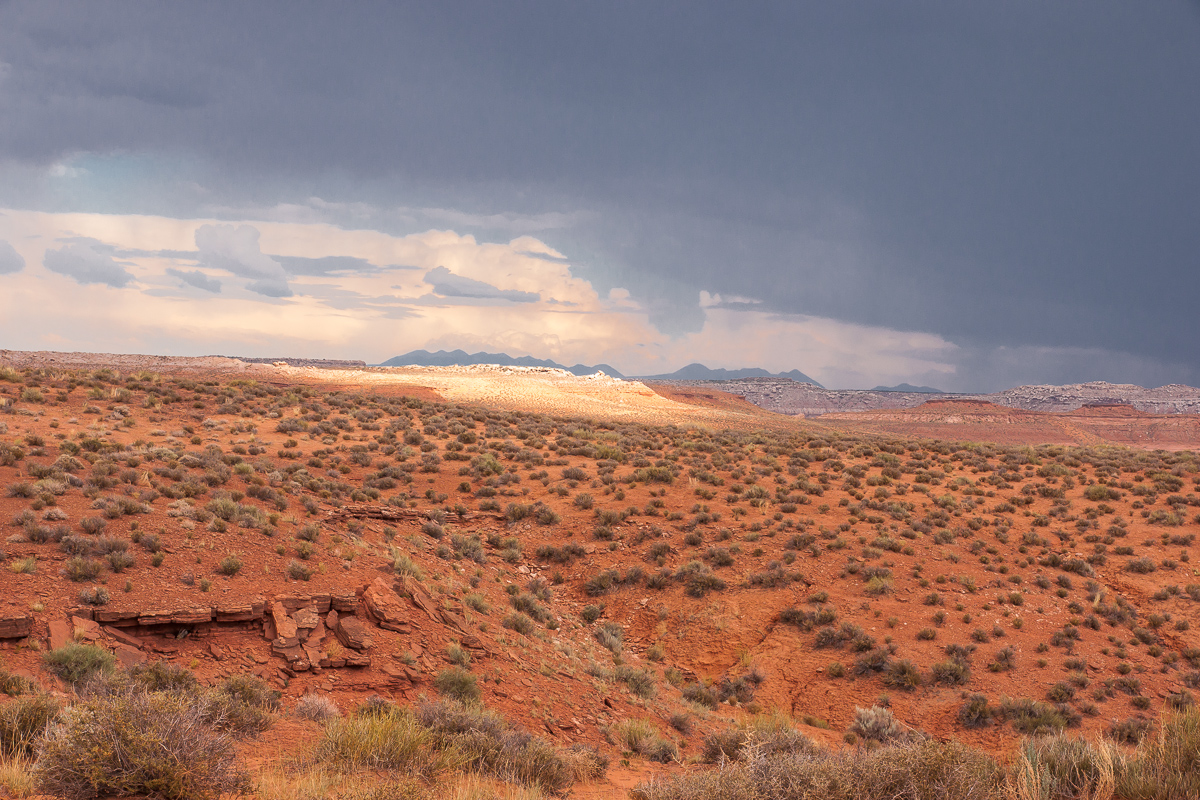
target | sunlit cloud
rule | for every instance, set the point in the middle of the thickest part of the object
(260, 287)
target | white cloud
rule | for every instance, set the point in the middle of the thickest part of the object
(342, 303)
(716, 300)
(86, 266)
(235, 249)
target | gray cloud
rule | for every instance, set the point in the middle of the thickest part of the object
(195, 277)
(235, 249)
(447, 284)
(10, 260)
(327, 265)
(86, 266)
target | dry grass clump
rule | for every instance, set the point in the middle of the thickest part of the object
(22, 723)
(760, 737)
(13, 684)
(1166, 767)
(444, 736)
(389, 741)
(316, 707)
(922, 770)
(640, 736)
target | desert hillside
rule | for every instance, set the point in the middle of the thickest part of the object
(615, 571)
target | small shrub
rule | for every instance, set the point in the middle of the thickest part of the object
(245, 703)
(876, 724)
(522, 624)
(951, 673)
(95, 596)
(902, 674)
(640, 681)
(230, 565)
(75, 663)
(611, 636)
(458, 684)
(317, 708)
(975, 712)
(701, 695)
(138, 743)
(81, 569)
(639, 736)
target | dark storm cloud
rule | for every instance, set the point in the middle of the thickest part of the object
(447, 284)
(1019, 174)
(10, 260)
(86, 266)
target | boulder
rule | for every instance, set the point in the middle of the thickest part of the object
(344, 602)
(385, 607)
(306, 619)
(83, 628)
(128, 656)
(122, 637)
(286, 633)
(352, 633)
(60, 633)
(354, 659)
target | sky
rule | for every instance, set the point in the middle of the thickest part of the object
(970, 196)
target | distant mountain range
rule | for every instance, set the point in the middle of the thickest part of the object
(908, 387)
(699, 372)
(692, 372)
(461, 358)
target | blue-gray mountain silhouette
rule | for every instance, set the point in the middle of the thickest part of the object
(699, 372)
(461, 358)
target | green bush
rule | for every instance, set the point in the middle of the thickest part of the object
(387, 741)
(75, 663)
(951, 672)
(639, 681)
(1032, 717)
(902, 674)
(458, 684)
(163, 676)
